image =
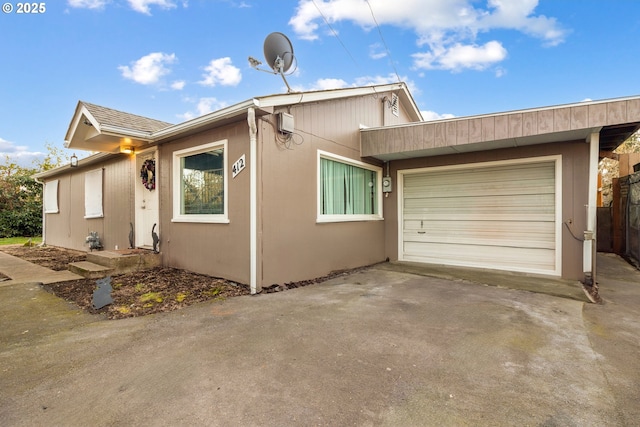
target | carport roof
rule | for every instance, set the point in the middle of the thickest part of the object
(615, 119)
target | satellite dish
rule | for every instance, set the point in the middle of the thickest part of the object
(278, 52)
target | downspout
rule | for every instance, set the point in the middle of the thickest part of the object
(588, 248)
(253, 204)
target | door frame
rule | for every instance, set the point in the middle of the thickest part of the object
(140, 192)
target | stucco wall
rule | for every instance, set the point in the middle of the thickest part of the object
(575, 157)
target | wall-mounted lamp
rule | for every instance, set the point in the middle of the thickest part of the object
(127, 150)
(74, 161)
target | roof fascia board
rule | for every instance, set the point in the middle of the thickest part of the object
(204, 120)
(324, 95)
(124, 132)
(268, 102)
(265, 104)
(87, 161)
(75, 121)
(505, 113)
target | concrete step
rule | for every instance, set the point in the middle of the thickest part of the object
(90, 270)
(125, 261)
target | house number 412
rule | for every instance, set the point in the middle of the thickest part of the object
(238, 166)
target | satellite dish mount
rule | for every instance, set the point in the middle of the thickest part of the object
(278, 52)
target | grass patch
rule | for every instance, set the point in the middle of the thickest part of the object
(19, 240)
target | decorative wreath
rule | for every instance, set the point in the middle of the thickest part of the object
(148, 174)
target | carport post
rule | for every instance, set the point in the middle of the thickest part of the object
(588, 248)
(253, 209)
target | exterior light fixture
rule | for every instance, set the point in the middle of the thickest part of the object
(127, 150)
(74, 161)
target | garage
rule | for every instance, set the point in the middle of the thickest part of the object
(499, 215)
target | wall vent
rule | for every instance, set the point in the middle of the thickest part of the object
(394, 104)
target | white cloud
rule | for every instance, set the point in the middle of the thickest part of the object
(178, 85)
(458, 57)
(19, 154)
(448, 29)
(142, 6)
(432, 115)
(148, 69)
(330, 83)
(221, 72)
(376, 51)
(326, 84)
(88, 4)
(204, 106)
(376, 80)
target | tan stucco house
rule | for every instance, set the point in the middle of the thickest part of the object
(291, 187)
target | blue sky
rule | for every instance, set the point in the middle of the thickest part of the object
(177, 59)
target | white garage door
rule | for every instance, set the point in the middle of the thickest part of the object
(495, 215)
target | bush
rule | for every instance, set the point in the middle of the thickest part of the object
(20, 202)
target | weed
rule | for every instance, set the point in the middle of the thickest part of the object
(151, 297)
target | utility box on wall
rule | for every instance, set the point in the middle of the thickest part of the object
(285, 123)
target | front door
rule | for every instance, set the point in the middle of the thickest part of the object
(147, 212)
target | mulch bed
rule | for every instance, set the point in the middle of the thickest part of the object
(144, 292)
(134, 294)
(54, 258)
(150, 291)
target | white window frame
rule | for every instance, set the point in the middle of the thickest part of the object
(93, 202)
(177, 189)
(324, 218)
(51, 197)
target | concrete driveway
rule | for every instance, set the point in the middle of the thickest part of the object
(377, 347)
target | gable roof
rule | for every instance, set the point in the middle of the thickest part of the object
(97, 128)
(119, 119)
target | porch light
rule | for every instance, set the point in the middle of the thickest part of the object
(127, 150)
(74, 161)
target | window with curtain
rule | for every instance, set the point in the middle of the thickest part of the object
(348, 191)
(200, 184)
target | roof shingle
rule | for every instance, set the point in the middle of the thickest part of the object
(111, 117)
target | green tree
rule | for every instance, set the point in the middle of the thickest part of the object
(610, 168)
(21, 195)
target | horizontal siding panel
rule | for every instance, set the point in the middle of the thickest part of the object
(511, 241)
(501, 258)
(477, 188)
(517, 203)
(490, 216)
(540, 234)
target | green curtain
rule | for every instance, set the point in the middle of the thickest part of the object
(347, 189)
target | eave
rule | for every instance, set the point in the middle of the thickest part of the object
(86, 132)
(82, 163)
(615, 120)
